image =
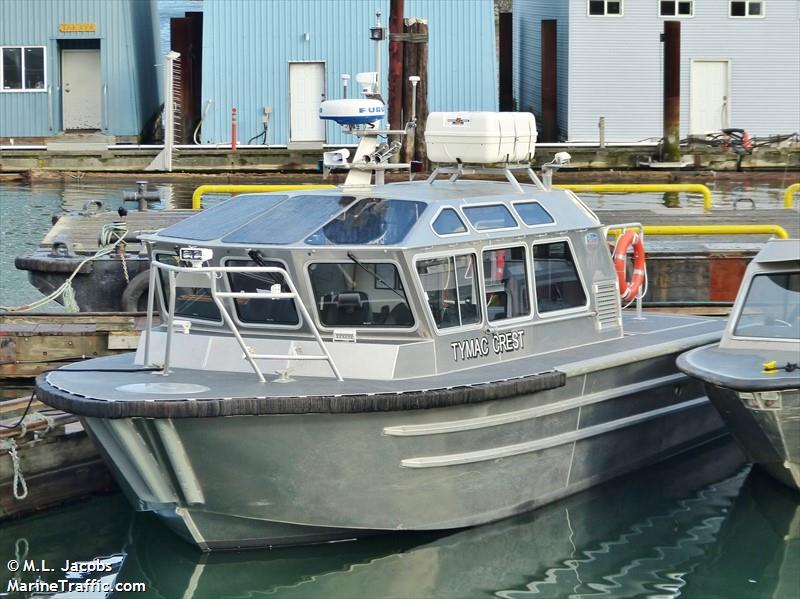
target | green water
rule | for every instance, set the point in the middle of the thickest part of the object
(700, 526)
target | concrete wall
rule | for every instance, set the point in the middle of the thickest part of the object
(247, 47)
(129, 50)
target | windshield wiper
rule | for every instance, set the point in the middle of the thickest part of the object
(377, 277)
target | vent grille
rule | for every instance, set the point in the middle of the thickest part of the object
(608, 308)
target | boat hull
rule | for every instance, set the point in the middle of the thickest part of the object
(284, 479)
(769, 435)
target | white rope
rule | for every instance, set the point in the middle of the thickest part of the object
(48, 420)
(19, 485)
(111, 235)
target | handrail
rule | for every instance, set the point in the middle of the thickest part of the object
(643, 188)
(204, 189)
(217, 296)
(788, 195)
(776, 230)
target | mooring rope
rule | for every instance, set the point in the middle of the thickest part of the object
(19, 486)
(111, 235)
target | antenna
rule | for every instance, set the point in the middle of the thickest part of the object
(345, 82)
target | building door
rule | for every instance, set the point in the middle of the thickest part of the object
(80, 88)
(306, 92)
(709, 108)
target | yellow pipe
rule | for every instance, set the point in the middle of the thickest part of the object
(644, 188)
(788, 195)
(204, 189)
(776, 230)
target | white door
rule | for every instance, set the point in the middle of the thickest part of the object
(80, 88)
(709, 93)
(306, 91)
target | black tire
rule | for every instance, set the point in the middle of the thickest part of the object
(134, 297)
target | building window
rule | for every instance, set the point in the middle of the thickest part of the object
(23, 68)
(605, 8)
(747, 8)
(676, 8)
(505, 279)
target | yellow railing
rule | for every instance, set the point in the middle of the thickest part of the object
(204, 189)
(776, 230)
(644, 188)
(788, 195)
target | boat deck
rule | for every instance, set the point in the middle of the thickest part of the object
(193, 393)
(80, 231)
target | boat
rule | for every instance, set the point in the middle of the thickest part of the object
(430, 355)
(752, 375)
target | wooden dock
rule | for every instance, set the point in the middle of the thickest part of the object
(33, 343)
(46, 458)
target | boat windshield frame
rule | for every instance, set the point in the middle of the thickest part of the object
(735, 332)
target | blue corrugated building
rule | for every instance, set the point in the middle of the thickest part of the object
(288, 55)
(740, 65)
(78, 65)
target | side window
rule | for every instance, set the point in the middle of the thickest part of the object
(495, 216)
(558, 286)
(505, 278)
(363, 294)
(451, 290)
(449, 223)
(258, 310)
(533, 214)
(192, 294)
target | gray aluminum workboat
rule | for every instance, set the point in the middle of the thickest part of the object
(425, 355)
(753, 374)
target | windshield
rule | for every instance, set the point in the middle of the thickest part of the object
(772, 307)
(370, 221)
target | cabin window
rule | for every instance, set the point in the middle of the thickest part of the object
(23, 68)
(605, 8)
(289, 221)
(370, 221)
(747, 8)
(771, 309)
(505, 280)
(451, 290)
(449, 223)
(484, 218)
(676, 8)
(217, 221)
(193, 296)
(558, 285)
(262, 310)
(360, 294)
(533, 214)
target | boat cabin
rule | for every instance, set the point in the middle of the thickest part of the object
(395, 281)
(766, 314)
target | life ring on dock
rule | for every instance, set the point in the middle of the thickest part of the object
(628, 290)
(136, 290)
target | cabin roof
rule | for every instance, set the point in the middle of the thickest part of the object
(398, 214)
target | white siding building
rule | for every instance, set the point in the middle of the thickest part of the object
(740, 65)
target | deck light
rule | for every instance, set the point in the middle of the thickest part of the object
(195, 257)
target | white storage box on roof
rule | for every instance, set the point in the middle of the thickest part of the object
(480, 137)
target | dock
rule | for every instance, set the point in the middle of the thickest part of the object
(33, 343)
(46, 458)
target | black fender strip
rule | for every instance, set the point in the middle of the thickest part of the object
(320, 404)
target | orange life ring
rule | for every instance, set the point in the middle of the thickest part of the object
(630, 237)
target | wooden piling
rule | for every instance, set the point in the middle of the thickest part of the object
(396, 77)
(506, 81)
(672, 91)
(549, 80)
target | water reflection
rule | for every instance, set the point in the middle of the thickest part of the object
(686, 528)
